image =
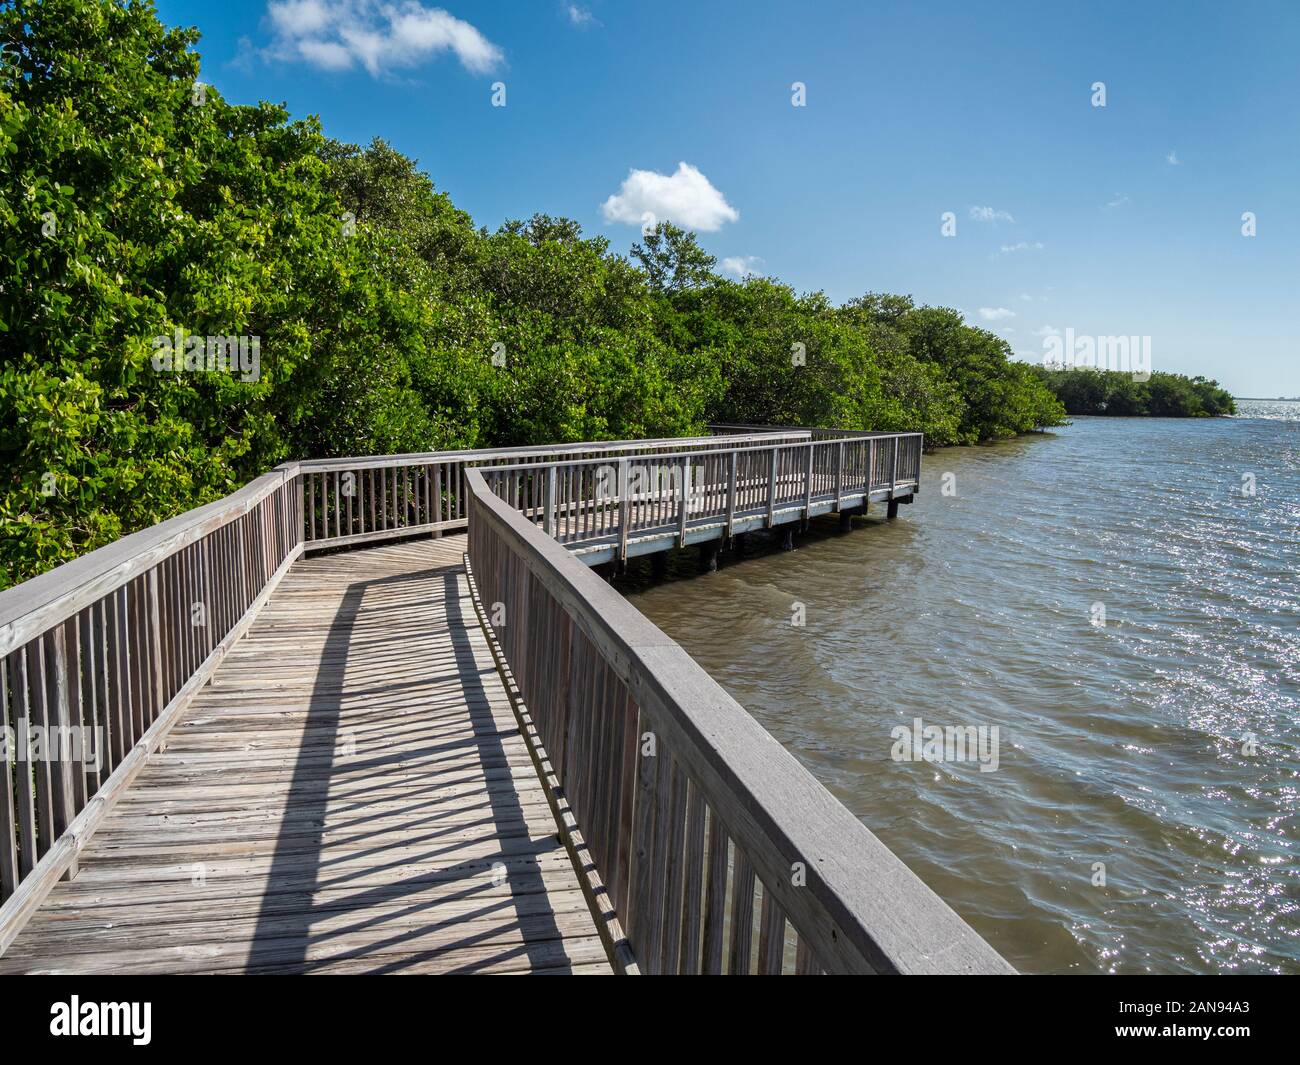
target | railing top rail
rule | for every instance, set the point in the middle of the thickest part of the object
(488, 454)
(763, 445)
(32, 607)
(36, 605)
(829, 433)
(891, 920)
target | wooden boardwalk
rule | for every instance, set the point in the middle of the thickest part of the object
(350, 794)
(337, 770)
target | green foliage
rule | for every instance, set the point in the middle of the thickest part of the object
(1114, 392)
(135, 202)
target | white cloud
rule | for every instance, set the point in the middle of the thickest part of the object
(686, 197)
(1023, 245)
(1025, 297)
(1047, 331)
(580, 16)
(1119, 201)
(300, 18)
(741, 265)
(988, 214)
(1173, 160)
(379, 36)
(996, 314)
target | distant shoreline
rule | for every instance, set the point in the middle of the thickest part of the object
(1268, 399)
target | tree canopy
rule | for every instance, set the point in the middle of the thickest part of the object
(136, 202)
(1087, 390)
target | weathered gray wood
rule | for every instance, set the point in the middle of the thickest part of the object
(145, 649)
(808, 483)
(861, 910)
(715, 898)
(24, 770)
(37, 605)
(693, 861)
(8, 814)
(62, 768)
(742, 916)
(771, 938)
(40, 689)
(839, 475)
(430, 843)
(673, 915)
(63, 855)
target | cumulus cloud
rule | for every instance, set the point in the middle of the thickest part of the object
(580, 16)
(741, 265)
(996, 314)
(686, 197)
(377, 35)
(1119, 201)
(1023, 245)
(1047, 331)
(1173, 160)
(988, 214)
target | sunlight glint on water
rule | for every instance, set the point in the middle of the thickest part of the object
(1120, 744)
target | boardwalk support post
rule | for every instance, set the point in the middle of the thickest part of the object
(709, 556)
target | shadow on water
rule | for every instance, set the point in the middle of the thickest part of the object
(757, 550)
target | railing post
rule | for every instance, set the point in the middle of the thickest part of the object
(771, 490)
(731, 494)
(808, 486)
(155, 648)
(58, 714)
(839, 474)
(550, 502)
(624, 509)
(871, 467)
(893, 477)
(685, 490)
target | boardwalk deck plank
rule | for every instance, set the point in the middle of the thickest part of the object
(349, 794)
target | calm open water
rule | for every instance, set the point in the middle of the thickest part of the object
(1119, 743)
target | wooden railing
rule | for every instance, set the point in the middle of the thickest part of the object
(353, 501)
(99, 657)
(722, 490)
(717, 849)
(700, 822)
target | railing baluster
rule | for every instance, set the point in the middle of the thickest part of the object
(24, 769)
(742, 915)
(9, 873)
(715, 897)
(771, 937)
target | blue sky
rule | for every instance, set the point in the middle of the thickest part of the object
(1116, 220)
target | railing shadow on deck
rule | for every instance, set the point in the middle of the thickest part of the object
(300, 866)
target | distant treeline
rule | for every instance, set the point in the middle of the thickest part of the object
(140, 212)
(1115, 392)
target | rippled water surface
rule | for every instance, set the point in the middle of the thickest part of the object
(1126, 743)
